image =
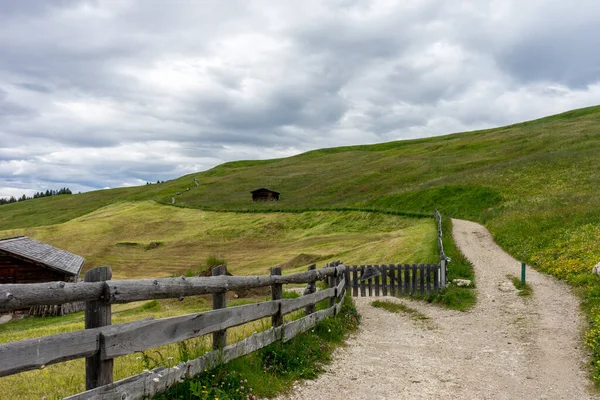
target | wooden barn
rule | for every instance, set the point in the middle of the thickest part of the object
(264, 194)
(24, 260)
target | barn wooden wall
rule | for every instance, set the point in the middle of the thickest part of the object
(15, 270)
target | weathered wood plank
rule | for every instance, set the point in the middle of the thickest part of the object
(407, 286)
(370, 284)
(145, 289)
(362, 283)
(291, 329)
(392, 275)
(277, 294)
(332, 284)
(98, 372)
(340, 289)
(414, 284)
(347, 279)
(144, 385)
(421, 280)
(311, 287)
(19, 296)
(175, 329)
(428, 279)
(31, 354)
(398, 279)
(290, 305)
(377, 282)
(384, 279)
(355, 281)
(219, 300)
(436, 278)
(34, 353)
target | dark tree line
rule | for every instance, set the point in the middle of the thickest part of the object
(36, 195)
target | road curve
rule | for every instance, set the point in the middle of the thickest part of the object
(507, 347)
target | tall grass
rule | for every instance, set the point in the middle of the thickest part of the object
(275, 368)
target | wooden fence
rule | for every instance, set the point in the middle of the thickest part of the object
(395, 280)
(101, 342)
(443, 259)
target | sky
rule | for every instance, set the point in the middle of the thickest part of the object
(98, 94)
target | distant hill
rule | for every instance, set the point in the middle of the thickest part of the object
(533, 184)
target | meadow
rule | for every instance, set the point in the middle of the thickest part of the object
(146, 239)
(534, 185)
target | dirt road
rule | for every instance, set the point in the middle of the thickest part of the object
(507, 347)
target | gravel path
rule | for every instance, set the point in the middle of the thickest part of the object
(507, 347)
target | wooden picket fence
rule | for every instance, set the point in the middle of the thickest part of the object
(395, 280)
(100, 343)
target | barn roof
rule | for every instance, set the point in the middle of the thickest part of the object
(264, 189)
(43, 253)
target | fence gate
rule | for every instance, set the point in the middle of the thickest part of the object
(395, 280)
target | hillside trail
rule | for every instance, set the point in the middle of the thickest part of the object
(506, 347)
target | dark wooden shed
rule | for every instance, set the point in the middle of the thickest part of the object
(24, 260)
(264, 194)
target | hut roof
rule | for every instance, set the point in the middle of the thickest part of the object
(264, 189)
(43, 253)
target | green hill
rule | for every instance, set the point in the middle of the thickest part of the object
(535, 185)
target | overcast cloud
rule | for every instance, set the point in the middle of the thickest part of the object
(100, 94)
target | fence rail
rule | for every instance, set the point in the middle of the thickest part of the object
(19, 296)
(101, 342)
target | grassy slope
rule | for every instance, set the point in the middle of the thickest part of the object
(539, 165)
(534, 185)
(119, 235)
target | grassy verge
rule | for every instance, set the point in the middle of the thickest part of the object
(523, 287)
(454, 297)
(399, 308)
(275, 368)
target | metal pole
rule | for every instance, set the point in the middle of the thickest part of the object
(522, 273)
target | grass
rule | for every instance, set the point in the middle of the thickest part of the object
(534, 185)
(190, 241)
(455, 297)
(64, 379)
(394, 307)
(250, 242)
(273, 369)
(523, 287)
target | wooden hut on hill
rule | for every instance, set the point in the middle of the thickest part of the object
(25, 260)
(264, 194)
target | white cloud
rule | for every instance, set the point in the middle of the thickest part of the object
(117, 93)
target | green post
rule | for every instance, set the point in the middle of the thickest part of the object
(522, 273)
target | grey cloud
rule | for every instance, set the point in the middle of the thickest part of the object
(159, 88)
(11, 109)
(556, 57)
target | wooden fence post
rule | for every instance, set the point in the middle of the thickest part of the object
(277, 294)
(442, 273)
(332, 284)
(98, 314)
(348, 285)
(219, 301)
(311, 287)
(355, 281)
